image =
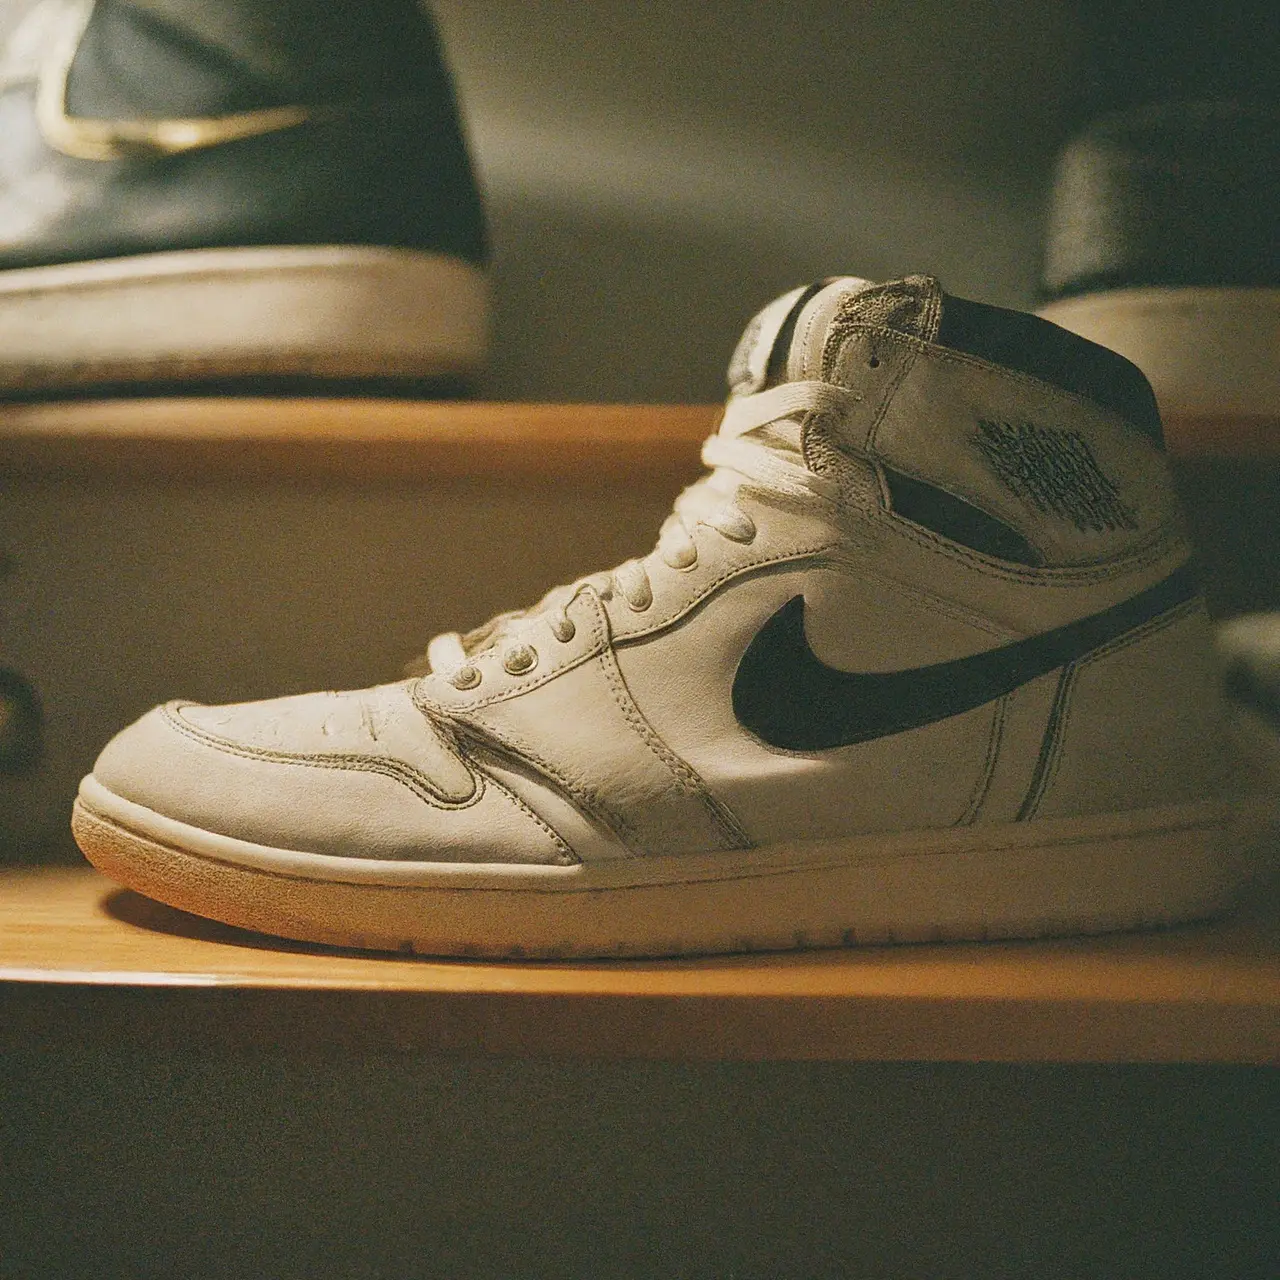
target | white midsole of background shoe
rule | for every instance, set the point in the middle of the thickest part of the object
(1205, 350)
(1065, 875)
(326, 311)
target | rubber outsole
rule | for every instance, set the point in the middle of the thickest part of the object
(208, 315)
(1063, 876)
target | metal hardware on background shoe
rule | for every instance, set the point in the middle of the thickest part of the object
(88, 138)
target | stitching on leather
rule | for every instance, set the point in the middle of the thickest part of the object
(1150, 628)
(1060, 738)
(1059, 716)
(569, 857)
(982, 786)
(1161, 542)
(1046, 768)
(684, 772)
(828, 557)
(585, 797)
(426, 703)
(947, 356)
(588, 797)
(941, 606)
(397, 770)
(891, 389)
(806, 336)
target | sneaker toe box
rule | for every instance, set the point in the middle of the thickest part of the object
(363, 775)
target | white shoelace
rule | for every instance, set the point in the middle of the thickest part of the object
(734, 457)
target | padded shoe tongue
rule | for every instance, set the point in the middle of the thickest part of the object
(785, 339)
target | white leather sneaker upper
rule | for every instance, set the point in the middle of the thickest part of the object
(919, 587)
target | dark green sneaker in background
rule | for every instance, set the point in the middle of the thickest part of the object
(223, 192)
(1163, 237)
(1164, 244)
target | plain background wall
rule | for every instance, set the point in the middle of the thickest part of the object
(656, 172)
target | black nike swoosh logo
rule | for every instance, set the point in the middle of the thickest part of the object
(786, 695)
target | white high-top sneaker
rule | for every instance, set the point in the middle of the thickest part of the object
(920, 658)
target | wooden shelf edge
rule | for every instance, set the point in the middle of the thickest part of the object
(203, 437)
(80, 958)
(359, 439)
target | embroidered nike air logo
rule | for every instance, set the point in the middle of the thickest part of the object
(787, 696)
(1056, 472)
(90, 138)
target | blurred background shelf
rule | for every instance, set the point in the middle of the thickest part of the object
(353, 439)
(377, 439)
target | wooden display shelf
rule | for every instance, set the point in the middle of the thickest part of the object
(350, 438)
(82, 958)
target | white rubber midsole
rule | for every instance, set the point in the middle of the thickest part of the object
(331, 311)
(1194, 823)
(1080, 875)
(1204, 350)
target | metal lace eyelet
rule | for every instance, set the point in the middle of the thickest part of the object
(520, 659)
(466, 677)
(564, 630)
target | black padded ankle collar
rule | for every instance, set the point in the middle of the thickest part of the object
(1052, 354)
(916, 305)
